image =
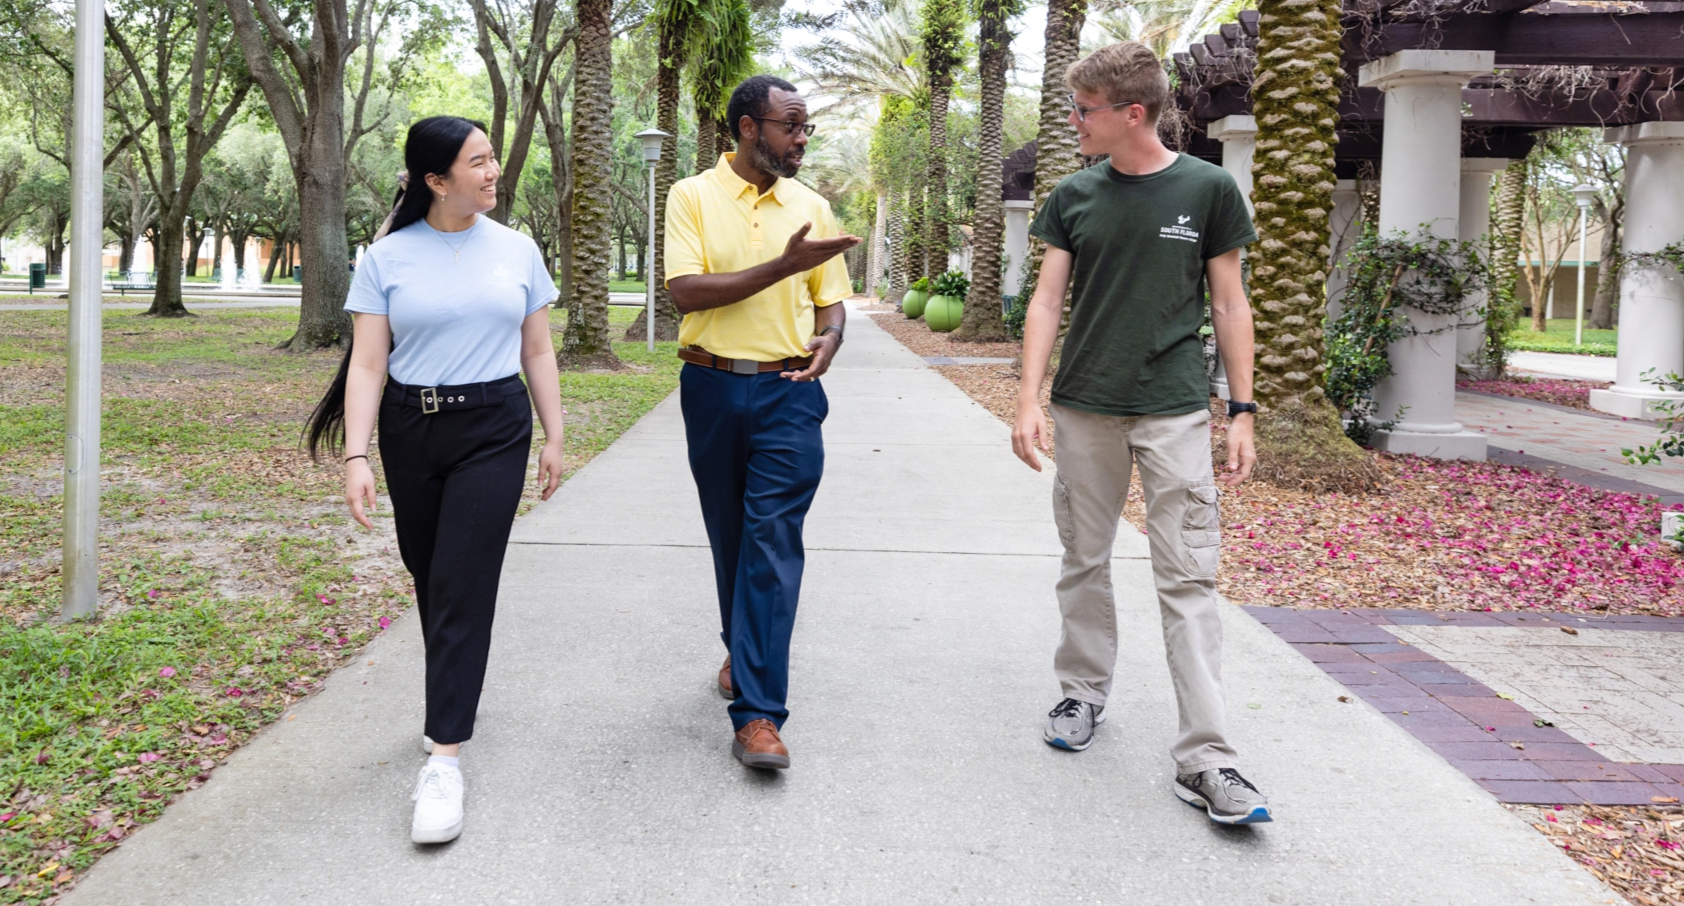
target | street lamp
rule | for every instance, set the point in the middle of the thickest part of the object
(1583, 193)
(651, 139)
(82, 372)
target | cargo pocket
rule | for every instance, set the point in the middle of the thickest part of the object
(1061, 512)
(1201, 536)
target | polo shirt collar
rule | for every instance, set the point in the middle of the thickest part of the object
(736, 185)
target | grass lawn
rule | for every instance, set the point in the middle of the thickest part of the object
(232, 579)
(1558, 337)
(626, 286)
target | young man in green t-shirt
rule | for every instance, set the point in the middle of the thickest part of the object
(1141, 235)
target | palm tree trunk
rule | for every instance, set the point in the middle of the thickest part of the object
(982, 321)
(917, 253)
(586, 341)
(1056, 152)
(707, 132)
(1296, 101)
(879, 228)
(1505, 252)
(666, 173)
(900, 255)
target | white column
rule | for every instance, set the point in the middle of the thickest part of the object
(1421, 177)
(1475, 223)
(1017, 245)
(1343, 230)
(1238, 135)
(1651, 298)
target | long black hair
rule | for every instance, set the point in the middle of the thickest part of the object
(432, 147)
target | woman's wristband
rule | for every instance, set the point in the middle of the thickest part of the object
(358, 456)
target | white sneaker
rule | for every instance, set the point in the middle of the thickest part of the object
(426, 744)
(438, 804)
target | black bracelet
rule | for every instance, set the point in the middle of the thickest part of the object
(358, 456)
(831, 328)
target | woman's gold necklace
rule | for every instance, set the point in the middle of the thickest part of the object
(456, 248)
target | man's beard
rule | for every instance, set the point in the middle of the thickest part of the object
(767, 162)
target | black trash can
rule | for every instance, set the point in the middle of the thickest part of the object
(298, 273)
(37, 277)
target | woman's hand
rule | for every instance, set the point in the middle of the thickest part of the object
(549, 465)
(359, 486)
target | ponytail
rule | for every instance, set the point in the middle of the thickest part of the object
(430, 148)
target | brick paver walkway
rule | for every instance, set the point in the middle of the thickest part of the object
(1516, 754)
(1581, 440)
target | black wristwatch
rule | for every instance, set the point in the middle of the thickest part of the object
(1236, 408)
(831, 328)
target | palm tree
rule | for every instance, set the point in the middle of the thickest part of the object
(943, 37)
(863, 63)
(586, 342)
(724, 56)
(1295, 97)
(982, 321)
(1056, 151)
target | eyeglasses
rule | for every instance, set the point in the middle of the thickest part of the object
(1082, 112)
(790, 127)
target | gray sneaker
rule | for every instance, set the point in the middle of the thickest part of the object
(1225, 796)
(1070, 725)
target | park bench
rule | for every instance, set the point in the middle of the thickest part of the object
(134, 280)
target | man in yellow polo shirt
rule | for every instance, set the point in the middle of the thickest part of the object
(752, 263)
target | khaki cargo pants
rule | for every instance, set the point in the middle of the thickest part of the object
(1096, 454)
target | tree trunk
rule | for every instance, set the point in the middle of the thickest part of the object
(982, 321)
(874, 260)
(1503, 308)
(216, 248)
(166, 296)
(125, 255)
(917, 254)
(55, 243)
(666, 173)
(1296, 102)
(274, 258)
(1057, 153)
(238, 241)
(900, 255)
(322, 247)
(707, 138)
(190, 242)
(586, 342)
(1608, 269)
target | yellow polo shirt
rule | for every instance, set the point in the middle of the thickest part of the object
(718, 223)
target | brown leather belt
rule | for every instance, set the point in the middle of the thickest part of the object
(696, 355)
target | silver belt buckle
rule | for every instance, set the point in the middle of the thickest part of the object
(744, 366)
(429, 400)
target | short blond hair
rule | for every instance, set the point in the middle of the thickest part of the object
(1128, 71)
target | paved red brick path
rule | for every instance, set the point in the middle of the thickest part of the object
(1515, 760)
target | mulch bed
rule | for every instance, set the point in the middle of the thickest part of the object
(1636, 850)
(1560, 391)
(917, 336)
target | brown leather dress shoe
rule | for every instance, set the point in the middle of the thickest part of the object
(725, 680)
(758, 746)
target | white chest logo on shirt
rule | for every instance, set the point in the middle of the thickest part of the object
(500, 275)
(1180, 230)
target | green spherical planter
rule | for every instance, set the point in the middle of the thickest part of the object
(913, 302)
(943, 313)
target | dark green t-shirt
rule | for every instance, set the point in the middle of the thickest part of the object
(1137, 296)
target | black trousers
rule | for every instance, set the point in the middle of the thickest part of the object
(455, 479)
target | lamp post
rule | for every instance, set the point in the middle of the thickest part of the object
(651, 139)
(87, 241)
(1583, 194)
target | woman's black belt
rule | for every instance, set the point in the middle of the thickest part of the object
(457, 396)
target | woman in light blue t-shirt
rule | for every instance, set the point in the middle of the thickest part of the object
(449, 308)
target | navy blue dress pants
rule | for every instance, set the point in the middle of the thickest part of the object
(455, 479)
(757, 453)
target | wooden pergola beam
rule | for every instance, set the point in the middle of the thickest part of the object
(1582, 39)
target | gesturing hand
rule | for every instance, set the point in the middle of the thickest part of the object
(803, 254)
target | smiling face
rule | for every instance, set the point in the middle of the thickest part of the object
(771, 146)
(471, 185)
(1104, 130)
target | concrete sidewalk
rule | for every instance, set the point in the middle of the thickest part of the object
(601, 772)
